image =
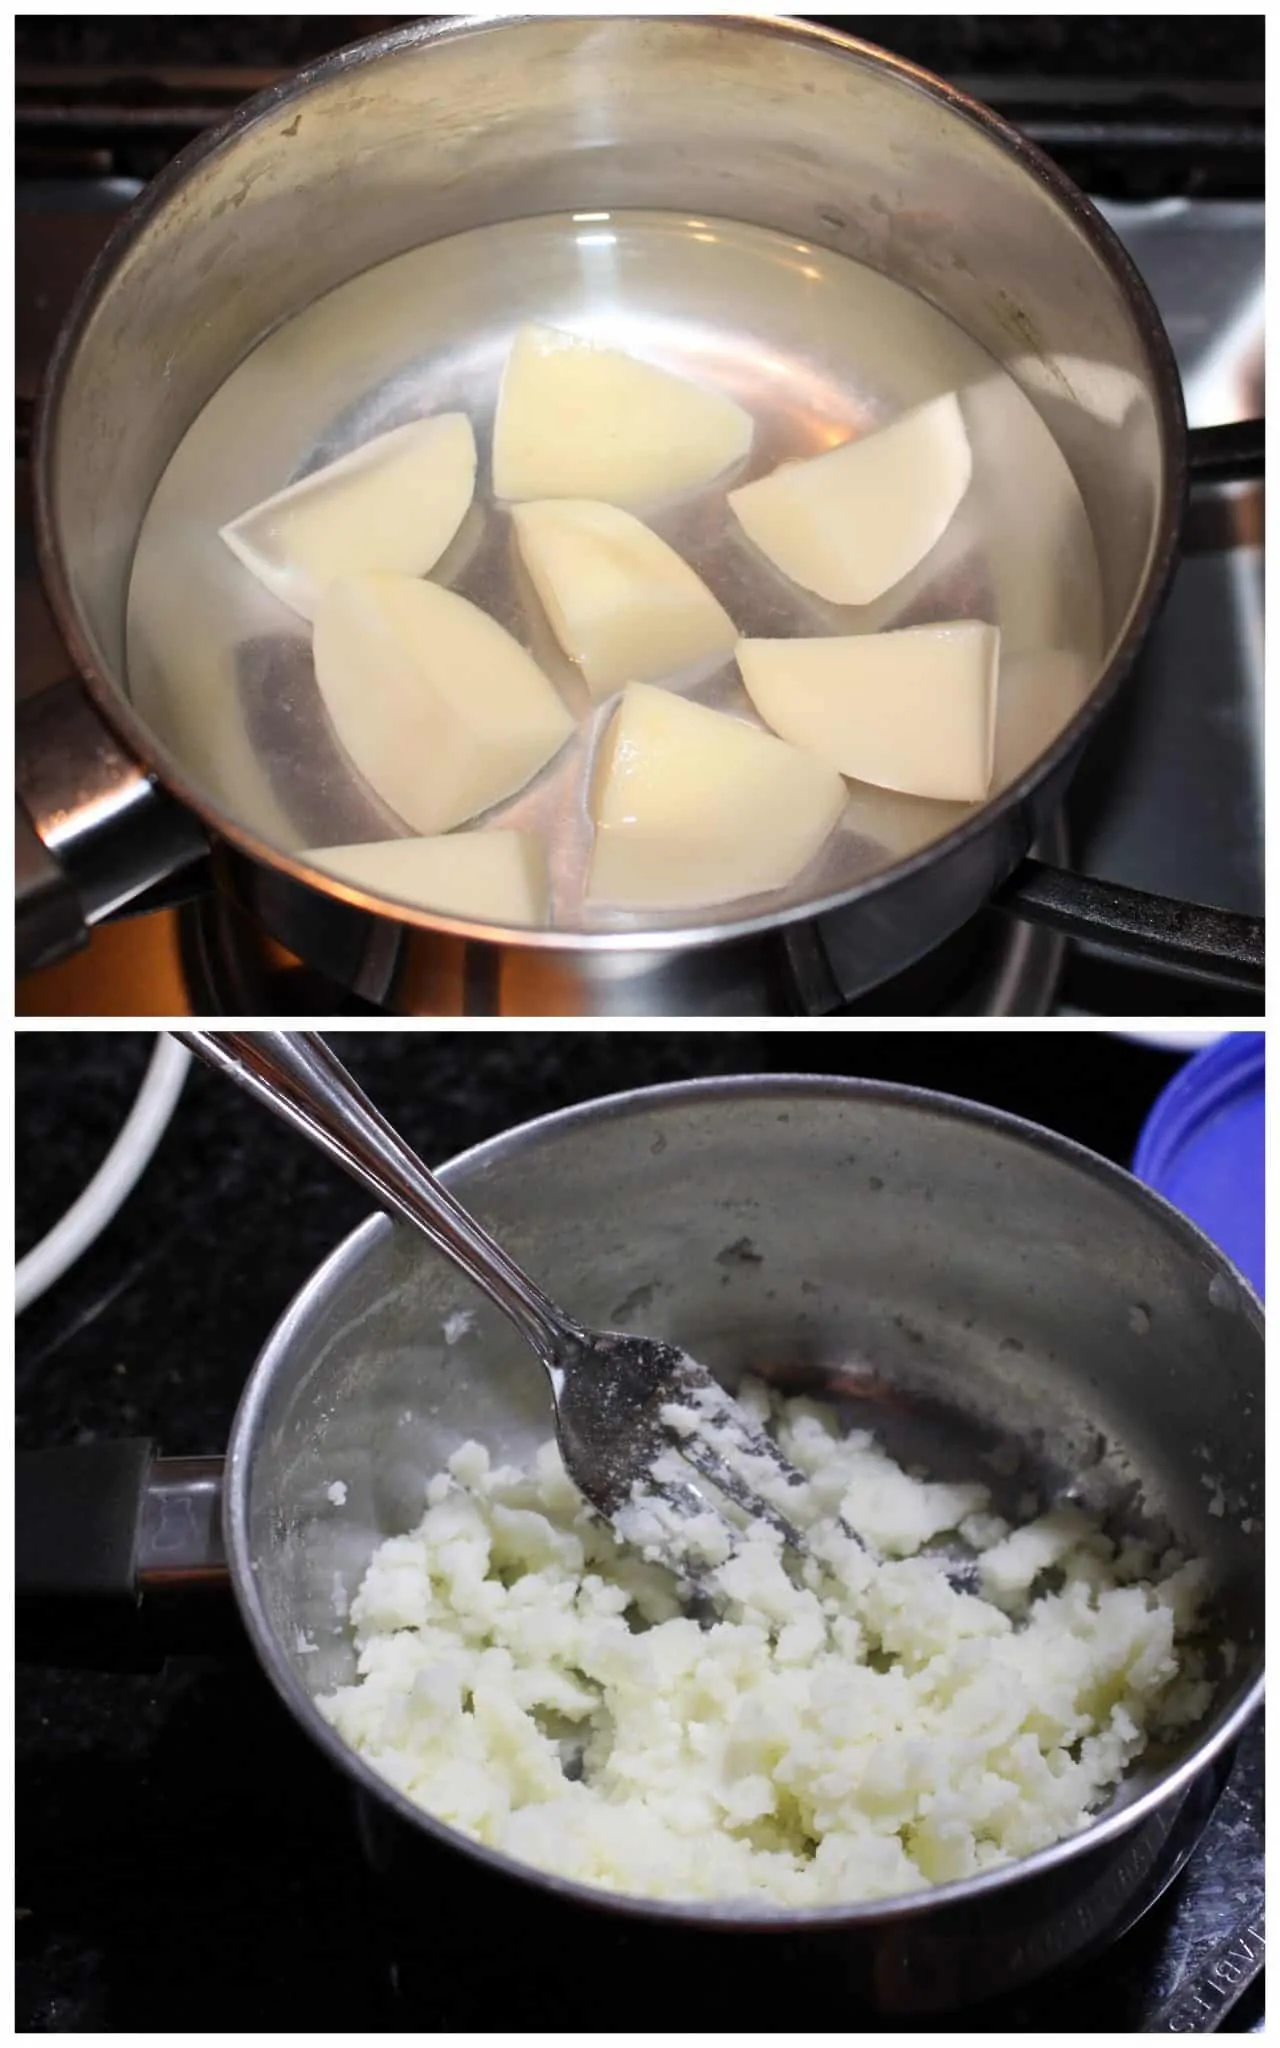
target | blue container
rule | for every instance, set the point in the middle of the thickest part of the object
(1203, 1147)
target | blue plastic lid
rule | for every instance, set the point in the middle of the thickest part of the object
(1203, 1147)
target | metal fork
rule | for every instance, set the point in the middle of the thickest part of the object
(621, 1402)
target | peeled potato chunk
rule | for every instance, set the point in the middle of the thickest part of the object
(853, 522)
(622, 604)
(495, 877)
(392, 505)
(913, 710)
(694, 807)
(577, 421)
(442, 712)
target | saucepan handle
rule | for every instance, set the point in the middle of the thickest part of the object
(1233, 454)
(95, 830)
(107, 1535)
(1221, 946)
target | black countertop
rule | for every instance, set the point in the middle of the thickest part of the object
(184, 1861)
(156, 1328)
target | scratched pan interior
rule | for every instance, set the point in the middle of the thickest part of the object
(815, 346)
(992, 1304)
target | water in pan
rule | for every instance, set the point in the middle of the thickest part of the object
(815, 346)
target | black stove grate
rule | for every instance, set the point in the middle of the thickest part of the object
(1119, 139)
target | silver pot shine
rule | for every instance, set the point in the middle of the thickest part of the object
(439, 128)
(953, 1278)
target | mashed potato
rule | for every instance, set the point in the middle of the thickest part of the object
(851, 1730)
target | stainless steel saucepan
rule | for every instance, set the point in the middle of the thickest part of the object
(955, 1279)
(735, 162)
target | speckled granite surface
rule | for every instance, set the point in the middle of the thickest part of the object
(185, 1862)
(158, 1325)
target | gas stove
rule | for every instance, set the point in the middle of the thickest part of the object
(1169, 798)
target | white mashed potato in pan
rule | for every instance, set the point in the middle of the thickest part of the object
(855, 1730)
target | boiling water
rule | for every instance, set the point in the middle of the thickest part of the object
(815, 346)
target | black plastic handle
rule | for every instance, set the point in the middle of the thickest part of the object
(1220, 946)
(1234, 454)
(97, 1527)
(78, 1521)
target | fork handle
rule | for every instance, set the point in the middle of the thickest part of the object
(297, 1075)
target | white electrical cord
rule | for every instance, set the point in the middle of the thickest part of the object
(91, 1212)
(1174, 1037)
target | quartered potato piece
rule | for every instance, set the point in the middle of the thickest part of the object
(853, 522)
(694, 807)
(622, 604)
(496, 877)
(577, 421)
(442, 712)
(913, 710)
(393, 505)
